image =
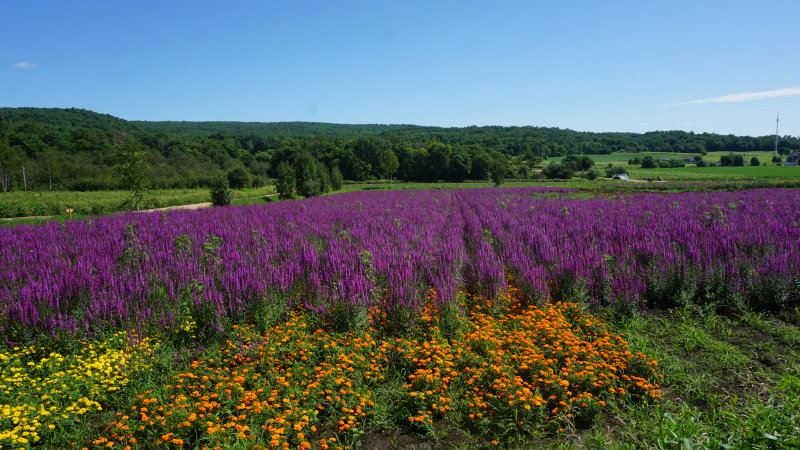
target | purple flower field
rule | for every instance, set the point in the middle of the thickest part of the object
(387, 248)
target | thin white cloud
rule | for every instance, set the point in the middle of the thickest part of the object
(744, 97)
(25, 65)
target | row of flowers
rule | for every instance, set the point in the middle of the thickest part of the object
(504, 368)
(631, 251)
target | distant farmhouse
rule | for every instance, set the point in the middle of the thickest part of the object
(793, 159)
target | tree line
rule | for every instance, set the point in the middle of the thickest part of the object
(76, 149)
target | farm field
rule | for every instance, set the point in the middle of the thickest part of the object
(51, 205)
(691, 173)
(512, 317)
(624, 157)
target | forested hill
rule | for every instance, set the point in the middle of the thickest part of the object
(43, 148)
(64, 119)
(281, 129)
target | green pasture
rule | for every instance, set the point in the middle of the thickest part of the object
(728, 173)
(623, 157)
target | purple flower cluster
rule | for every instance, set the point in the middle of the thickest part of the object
(388, 248)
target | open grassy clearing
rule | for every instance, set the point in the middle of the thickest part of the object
(624, 157)
(690, 173)
(54, 203)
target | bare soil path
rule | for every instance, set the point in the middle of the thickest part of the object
(170, 208)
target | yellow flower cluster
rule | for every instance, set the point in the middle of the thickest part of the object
(189, 325)
(40, 390)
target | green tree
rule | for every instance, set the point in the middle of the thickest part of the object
(389, 163)
(6, 165)
(49, 166)
(499, 171)
(308, 182)
(324, 177)
(285, 181)
(648, 162)
(238, 178)
(481, 167)
(731, 160)
(557, 170)
(336, 178)
(754, 161)
(221, 195)
(439, 156)
(460, 167)
(578, 163)
(133, 169)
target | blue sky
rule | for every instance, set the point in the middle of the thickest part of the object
(586, 65)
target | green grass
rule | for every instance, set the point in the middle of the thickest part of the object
(54, 203)
(574, 183)
(624, 157)
(691, 173)
(729, 382)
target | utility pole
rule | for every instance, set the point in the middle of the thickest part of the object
(777, 119)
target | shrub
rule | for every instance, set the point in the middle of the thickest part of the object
(615, 170)
(648, 162)
(557, 170)
(731, 160)
(672, 163)
(220, 194)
